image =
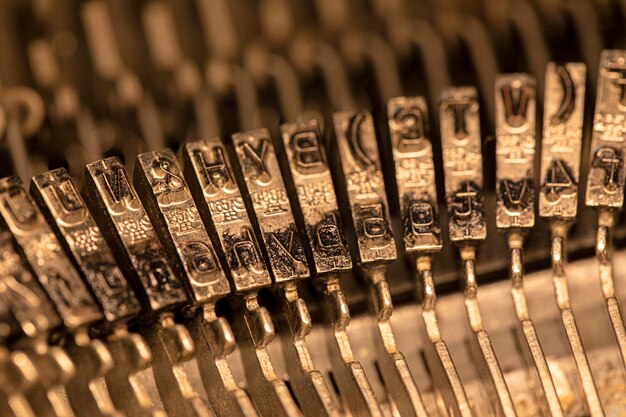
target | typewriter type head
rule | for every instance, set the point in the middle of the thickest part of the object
(318, 208)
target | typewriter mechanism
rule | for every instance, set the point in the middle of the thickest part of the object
(263, 208)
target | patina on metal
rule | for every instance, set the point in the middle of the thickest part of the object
(125, 225)
(318, 209)
(167, 199)
(360, 161)
(66, 213)
(467, 225)
(70, 297)
(221, 206)
(607, 172)
(515, 212)
(27, 318)
(558, 195)
(415, 179)
(267, 197)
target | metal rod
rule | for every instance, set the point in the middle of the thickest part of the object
(127, 229)
(417, 195)
(318, 210)
(170, 206)
(606, 179)
(461, 143)
(515, 215)
(560, 165)
(220, 204)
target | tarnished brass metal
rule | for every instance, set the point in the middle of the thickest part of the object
(515, 151)
(515, 213)
(66, 213)
(192, 281)
(467, 225)
(317, 206)
(606, 179)
(12, 400)
(462, 162)
(562, 141)
(415, 174)
(43, 252)
(217, 196)
(169, 205)
(221, 206)
(17, 375)
(560, 167)
(317, 203)
(28, 312)
(27, 317)
(166, 197)
(72, 300)
(415, 179)
(132, 356)
(55, 369)
(93, 360)
(360, 161)
(125, 225)
(267, 198)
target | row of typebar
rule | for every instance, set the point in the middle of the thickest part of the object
(78, 266)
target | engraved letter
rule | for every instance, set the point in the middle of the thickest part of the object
(67, 196)
(353, 135)
(169, 180)
(257, 157)
(307, 152)
(215, 173)
(458, 110)
(201, 262)
(610, 160)
(245, 253)
(118, 185)
(422, 217)
(618, 74)
(515, 100)
(373, 223)
(568, 102)
(412, 130)
(20, 206)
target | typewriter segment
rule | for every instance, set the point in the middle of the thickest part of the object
(358, 208)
